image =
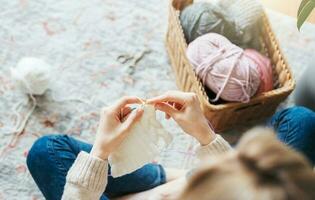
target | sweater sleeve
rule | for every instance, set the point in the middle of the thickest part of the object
(86, 179)
(214, 148)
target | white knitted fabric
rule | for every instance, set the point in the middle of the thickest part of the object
(141, 146)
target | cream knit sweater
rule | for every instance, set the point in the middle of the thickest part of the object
(87, 178)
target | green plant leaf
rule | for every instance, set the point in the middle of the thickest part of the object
(303, 3)
(305, 12)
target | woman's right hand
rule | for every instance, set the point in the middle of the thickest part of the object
(185, 109)
(115, 124)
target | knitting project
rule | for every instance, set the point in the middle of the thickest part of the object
(141, 146)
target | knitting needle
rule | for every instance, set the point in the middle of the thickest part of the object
(121, 114)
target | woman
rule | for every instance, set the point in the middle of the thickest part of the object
(51, 157)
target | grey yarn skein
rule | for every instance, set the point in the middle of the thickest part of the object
(247, 17)
(203, 17)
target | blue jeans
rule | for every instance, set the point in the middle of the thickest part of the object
(51, 156)
(296, 127)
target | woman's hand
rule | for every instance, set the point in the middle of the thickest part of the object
(115, 123)
(185, 109)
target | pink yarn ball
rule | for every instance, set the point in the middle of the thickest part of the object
(264, 68)
(223, 68)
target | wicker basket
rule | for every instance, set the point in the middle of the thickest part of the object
(228, 115)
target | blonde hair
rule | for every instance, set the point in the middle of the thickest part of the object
(260, 168)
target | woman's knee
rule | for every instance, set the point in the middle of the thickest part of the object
(296, 127)
(301, 119)
(294, 118)
(38, 155)
(301, 111)
(37, 152)
(45, 164)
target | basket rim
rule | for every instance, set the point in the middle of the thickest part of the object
(265, 96)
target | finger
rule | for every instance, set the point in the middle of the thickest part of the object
(168, 109)
(178, 106)
(167, 116)
(132, 119)
(126, 114)
(126, 100)
(125, 111)
(171, 103)
(174, 96)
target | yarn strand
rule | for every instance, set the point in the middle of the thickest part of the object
(20, 125)
(19, 128)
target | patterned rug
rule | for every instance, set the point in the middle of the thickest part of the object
(100, 50)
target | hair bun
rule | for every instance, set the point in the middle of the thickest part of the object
(257, 150)
(262, 153)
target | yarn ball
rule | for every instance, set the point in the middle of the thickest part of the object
(223, 68)
(246, 15)
(200, 18)
(240, 24)
(32, 75)
(264, 67)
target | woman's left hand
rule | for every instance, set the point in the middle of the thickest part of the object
(115, 123)
(184, 108)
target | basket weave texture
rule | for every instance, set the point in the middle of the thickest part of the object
(230, 114)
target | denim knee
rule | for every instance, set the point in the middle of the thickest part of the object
(62, 148)
(301, 112)
(304, 119)
(56, 144)
(46, 166)
(37, 152)
(296, 127)
(297, 117)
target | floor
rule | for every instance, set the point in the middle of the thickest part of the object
(88, 44)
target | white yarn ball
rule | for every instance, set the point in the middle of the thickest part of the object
(32, 75)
